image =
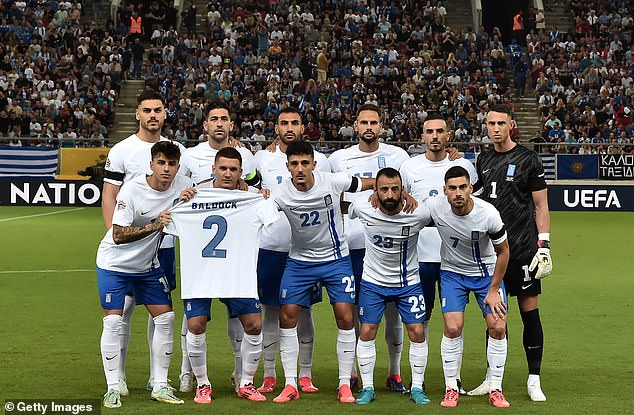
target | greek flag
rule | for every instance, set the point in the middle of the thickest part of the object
(548, 160)
(28, 161)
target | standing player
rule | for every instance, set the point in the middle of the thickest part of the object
(511, 177)
(424, 176)
(224, 224)
(276, 243)
(365, 160)
(127, 257)
(126, 160)
(197, 163)
(319, 253)
(390, 276)
(474, 254)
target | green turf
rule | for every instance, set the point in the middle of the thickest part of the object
(51, 326)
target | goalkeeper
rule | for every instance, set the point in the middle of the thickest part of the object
(511, 177)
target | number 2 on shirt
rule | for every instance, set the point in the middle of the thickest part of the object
(211, 250)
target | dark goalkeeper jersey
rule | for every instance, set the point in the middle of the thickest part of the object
(507, 181)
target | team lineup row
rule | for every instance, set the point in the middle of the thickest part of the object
(378, 255)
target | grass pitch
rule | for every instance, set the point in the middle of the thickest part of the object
(51, 324)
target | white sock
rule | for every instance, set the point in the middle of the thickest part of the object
(461, 338)
(393, 337)
(289, 353)
(111, 349)
(162, 347)
(251, 352)
(150, 340)
(496, 355)
(270, 338)
(235, 331)
(418, 361)
(451, 353)
(366, 356)
(197, 355)
(124, 333)
(186, 366)
(306, 336)
(357, 327)
(346, 342)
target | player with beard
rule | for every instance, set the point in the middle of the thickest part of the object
(475, 253)
(126, 160)
(390, 276)
(365, 160)
(274, 249)
(424, 176)
(197, 163)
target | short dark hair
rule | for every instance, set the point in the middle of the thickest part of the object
(388, 172)
(289, 110)
(457, 171)
(214, 106)
(299, 148)
(147, 95)
(369, 107)
(435, 116)
(500, 108)
(229, 153)
(167, 148)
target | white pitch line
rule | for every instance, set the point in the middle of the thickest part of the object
(40, 214)
(38, 271)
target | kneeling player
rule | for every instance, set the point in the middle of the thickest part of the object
(474, 254)
(127, 259)
(390, 274)
(234, 219)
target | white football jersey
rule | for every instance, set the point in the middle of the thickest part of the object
(362, 164)
(219, 232)
(467, 241)
(423, 178)
(130, 158)
(272, 168)
(390, 244)
(198, 161)
(137, 205)
(315, 217)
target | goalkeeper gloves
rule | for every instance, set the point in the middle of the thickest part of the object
(542, 260)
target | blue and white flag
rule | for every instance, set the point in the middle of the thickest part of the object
(28, 161)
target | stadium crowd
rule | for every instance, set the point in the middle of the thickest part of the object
(326, 58)
(60, 81)
(583, 79)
